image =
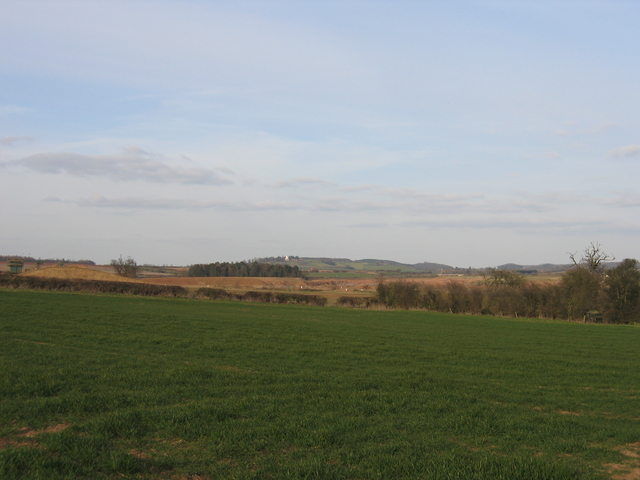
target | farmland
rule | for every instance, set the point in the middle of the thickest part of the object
(330, 286)
(131, 387)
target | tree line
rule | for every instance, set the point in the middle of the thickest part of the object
(244, 269)
(588, 291)
(22, 258)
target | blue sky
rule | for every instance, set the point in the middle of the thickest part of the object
(180, 132)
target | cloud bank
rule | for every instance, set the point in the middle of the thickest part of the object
(129, 166)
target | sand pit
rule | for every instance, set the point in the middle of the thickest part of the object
(78, 272)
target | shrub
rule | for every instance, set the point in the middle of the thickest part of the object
(622, 293)
(125, 268)
(93, 286)
(354, 301)
(212, 293)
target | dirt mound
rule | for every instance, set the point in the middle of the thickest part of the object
(77, 272)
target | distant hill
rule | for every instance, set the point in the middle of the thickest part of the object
(377, 265)
(372, 261)
(510, 266)
(543, 267)
(431, 267)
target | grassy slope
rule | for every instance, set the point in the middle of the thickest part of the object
(156, 388)
(356, 265)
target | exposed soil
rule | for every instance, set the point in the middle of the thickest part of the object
(6, 443)
(30, 433)
(629, 469)
(77, 272)
(331, 287)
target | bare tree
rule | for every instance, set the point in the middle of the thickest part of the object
(593, 258)
(125, 268)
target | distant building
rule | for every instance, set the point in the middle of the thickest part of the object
(15, 266)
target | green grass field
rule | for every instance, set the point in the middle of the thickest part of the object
(129, 387)
(357, 267)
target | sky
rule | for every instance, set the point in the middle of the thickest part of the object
(470, 133)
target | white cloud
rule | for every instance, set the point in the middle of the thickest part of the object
(124, 167)
(628, 151)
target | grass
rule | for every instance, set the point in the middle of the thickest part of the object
(126, 387)
(361, 266)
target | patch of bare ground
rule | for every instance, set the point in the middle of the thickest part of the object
(6, 443)
(139, 454)
(628, 469)
(623, 472)
(30, 433)
(185, 477)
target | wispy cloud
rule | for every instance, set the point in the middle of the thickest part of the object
(594, 130)
(628, 151)
(359, 188)
(603, 127)
(12, 140)
(623, 199)
(508, 223)
(135, 150)
(12, 109)
(304, 181)
(370, 225)
(138, 165)
(141, 203)
(418, 206)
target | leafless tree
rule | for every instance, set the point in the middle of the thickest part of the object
(593, 258)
